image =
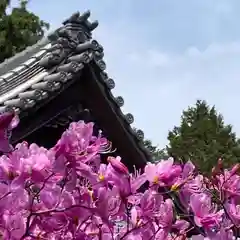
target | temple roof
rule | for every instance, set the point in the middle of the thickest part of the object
(31, 77)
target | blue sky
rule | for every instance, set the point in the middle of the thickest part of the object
(164, 54)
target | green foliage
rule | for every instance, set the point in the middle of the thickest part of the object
(157, 154)
(19, 29)
(204, 138)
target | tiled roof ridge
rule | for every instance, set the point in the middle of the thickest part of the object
(21, 87)
(20, 57)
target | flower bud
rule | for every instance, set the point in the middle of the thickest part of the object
(5, 119)
(118, 165)
(235, 169)
(215, 171)
(220, 164)
(218, 168)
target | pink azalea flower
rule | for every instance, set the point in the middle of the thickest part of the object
(163, 172)
(8, 121)
(205, 215)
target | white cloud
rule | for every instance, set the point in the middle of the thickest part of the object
(158, 85)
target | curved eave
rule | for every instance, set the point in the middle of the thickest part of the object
(127, 130)
(136, 149)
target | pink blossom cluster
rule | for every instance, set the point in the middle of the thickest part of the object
(66, 192)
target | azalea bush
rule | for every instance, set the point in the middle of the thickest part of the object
(66, 192)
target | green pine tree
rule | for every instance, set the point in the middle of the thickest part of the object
(203, 138)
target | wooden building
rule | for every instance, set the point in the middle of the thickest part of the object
(62, 79)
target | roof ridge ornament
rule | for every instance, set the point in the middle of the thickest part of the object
(72, 19)
(74, 36)
(80, 20)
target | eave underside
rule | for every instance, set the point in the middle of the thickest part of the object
(87, 91)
